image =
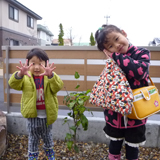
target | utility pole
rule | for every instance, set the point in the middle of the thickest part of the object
(107, 17)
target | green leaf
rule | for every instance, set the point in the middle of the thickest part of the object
(66, 99)
(73, 128)
(68, 136)
(73, 94)
(76, 148)
(71, 105)
(75, 112)
(69, 144)
(70, 114)
(82, 109)
(77, 86)
(86, 98)
(76, 75)
(65, 120)
(88, 91)
(81, 94)
(78, 123)
(81, 102)
(84, 122)
(76, 95)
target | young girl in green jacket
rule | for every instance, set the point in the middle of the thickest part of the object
(39, 104)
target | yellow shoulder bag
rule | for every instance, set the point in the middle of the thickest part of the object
(146, 102)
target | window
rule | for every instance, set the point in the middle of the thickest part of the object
(13, 42)
(13, 13)
(48, 38)
(30, 22)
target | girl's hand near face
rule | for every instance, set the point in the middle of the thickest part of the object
(24, 69)
(48, 70)
(107, 53)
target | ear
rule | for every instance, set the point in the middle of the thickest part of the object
(124, 33)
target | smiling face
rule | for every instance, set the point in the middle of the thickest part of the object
(36, 69)
(117, 42)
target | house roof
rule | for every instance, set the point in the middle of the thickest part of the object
(45, 29)
(24, 8)
(66, 41)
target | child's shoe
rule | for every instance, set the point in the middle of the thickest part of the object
(32, 155)
(114, 157)
(50, 154)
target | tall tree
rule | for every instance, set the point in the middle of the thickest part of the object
(60, 36)
(92, 41)
(70, 35)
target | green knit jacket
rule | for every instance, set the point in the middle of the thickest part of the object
(29, 95)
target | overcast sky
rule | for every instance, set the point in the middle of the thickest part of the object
(139, 18)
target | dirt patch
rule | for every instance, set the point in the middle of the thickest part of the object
(18, 147)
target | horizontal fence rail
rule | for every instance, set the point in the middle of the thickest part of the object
(86, 60)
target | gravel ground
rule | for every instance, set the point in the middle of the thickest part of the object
(17, 150)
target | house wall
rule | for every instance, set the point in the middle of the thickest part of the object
(10, 29)
(45, 39)
(21, 25)
(24, 40)
(0, 13)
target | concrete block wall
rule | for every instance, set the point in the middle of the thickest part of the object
(17, 124)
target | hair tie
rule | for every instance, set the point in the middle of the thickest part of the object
(100, 28)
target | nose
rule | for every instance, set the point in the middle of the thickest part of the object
(117, 45)
(36, 66)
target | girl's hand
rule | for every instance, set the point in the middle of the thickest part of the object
(24, 69)
(48, 70)
(107, 53)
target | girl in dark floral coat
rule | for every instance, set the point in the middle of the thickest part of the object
(135, 62)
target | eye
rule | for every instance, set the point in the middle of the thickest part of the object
(33, 63)
(109, 47)
(117, 39)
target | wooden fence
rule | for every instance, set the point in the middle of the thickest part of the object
(86, 60)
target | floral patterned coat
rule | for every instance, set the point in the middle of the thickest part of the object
(135, 64)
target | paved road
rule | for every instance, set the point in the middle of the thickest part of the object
(61, 112)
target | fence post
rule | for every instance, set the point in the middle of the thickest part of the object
(7, 78)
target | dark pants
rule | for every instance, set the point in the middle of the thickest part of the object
(115, 148)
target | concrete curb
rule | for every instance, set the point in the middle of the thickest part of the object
(17, 124)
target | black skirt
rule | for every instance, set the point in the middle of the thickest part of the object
(131, 135)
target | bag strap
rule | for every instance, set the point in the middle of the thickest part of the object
(151, 81)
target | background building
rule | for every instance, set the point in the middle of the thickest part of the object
(44, 35)
(66, 42)
(155, 42)
(18, 24)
